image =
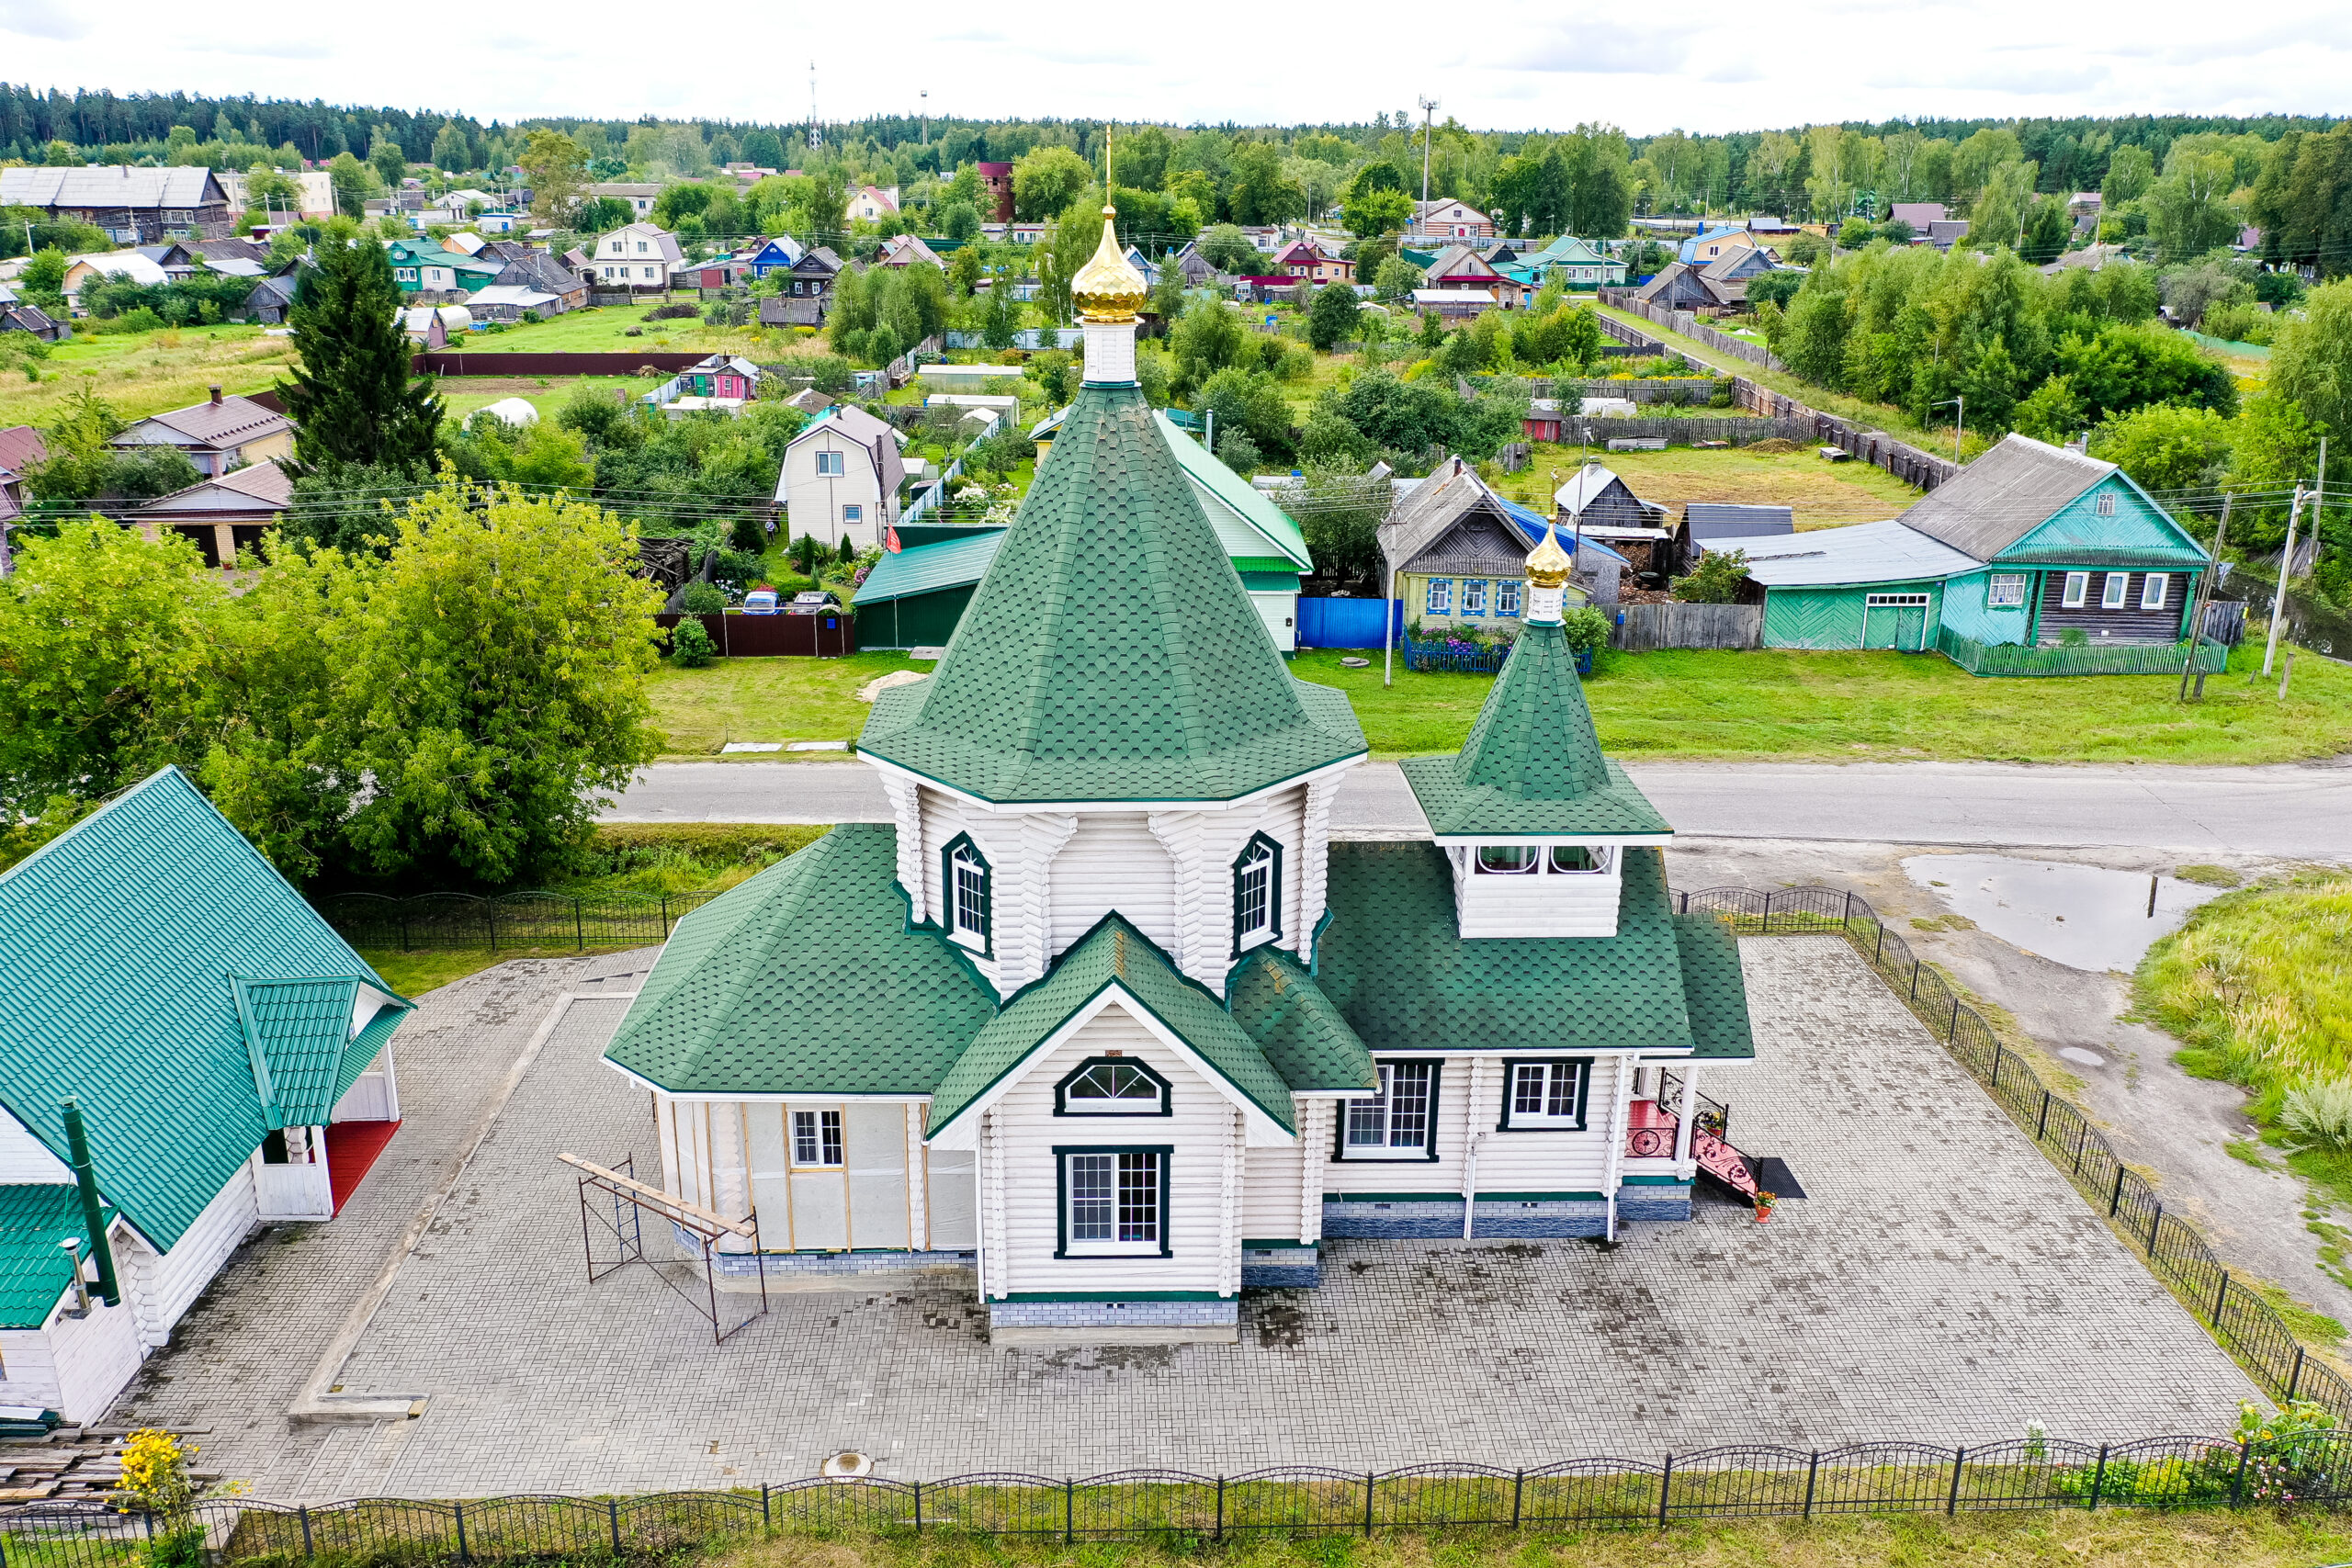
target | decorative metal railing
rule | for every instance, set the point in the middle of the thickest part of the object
(516, 922)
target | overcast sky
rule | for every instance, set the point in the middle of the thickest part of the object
(1510, 64)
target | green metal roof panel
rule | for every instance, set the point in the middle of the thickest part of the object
(116, 940)
(1533, 763)
(1228, 499)
(1300, 1033)
(1113, 953)
(1392, 964)
(373, 1036)
(1714, 988)
(927, 569)
(36, 1218)
(806, 979)
(1111, 653)
(295, 1034)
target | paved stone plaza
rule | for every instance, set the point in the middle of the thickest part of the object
(1941, 1283)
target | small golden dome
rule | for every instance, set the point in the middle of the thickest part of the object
(1108, 288)
(1548, 565)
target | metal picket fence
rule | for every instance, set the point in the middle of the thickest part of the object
(513, 922)
(1735, 1481)
(2240, 1318)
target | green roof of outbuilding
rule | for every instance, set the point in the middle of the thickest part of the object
(300, 1040)
(1113, 953)
(118, 939)
(1532, 764)
(1302, 1034)
(1714, 988)
(1392, 964)
(1111, 653)
(1237, 508)
(36, 1218)
(927, 569)
(806, 979)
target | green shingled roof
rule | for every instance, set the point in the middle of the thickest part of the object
(1113, 953)
(1714, 988)
(35, 1218)
(1393, 965)
(1111, 653)
(1532, 764)
(117, 942)
(1295, 1025)
(806, 979)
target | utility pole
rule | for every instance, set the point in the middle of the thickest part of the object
(1429, 108)
(816, 134)
(925, 96)
(2204, 596)
(2278, 595)
(1959, 423)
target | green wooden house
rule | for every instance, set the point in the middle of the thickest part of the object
(2031, 547)
(423, 266)
(227, 1060)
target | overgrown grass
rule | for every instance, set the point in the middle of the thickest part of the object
(142, 373)
(2258, 985)
(1779, 705)
(767, 699)
(1824, 495)
(2249, 1538)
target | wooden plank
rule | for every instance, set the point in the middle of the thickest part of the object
(654, 1197)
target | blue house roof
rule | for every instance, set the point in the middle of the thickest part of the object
(1533, 525)
(1689, 251)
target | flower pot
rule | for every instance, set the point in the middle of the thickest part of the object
(1763, 1216)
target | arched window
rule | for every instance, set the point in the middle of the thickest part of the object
(1257, 893)
(1508, 860)
(1111, 1086)
(964, 888)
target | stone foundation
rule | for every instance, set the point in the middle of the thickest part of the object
(1098, 1321)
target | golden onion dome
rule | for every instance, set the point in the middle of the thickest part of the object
(1108, 288)
(1548, 565)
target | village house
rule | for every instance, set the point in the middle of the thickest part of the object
(807, 292)
(638, 196)
(721, 383)
(1311, 260)
(841, 478)
(1596, 503)
(136, 266)
(2030, 545)
(1112, 1024)
(222, 515)
(1713, 244)
(314, 193)
(1576, 263)
(428, 327)
(905, 250)
(420, 266)
(1460, 268)
(1448, 219)
(872, 204)
(637, 256)
(1921, 215)
(776, 255)
(1455, 553)
(541, 274)
(224, 432)
(1714, 286)
(250, 1083)
(135, 207)
(20, 448)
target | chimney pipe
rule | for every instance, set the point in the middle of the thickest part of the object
(77, 1144)
(216, 392)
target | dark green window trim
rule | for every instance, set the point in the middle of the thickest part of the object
(1061, 1097)
(1167, 1153)
(1339, 1133)
(1511, 1081)
(1273, 891)
(947, 894)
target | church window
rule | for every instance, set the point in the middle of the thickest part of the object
(1257, 893)
(966, 892)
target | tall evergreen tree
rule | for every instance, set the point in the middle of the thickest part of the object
(351, 398)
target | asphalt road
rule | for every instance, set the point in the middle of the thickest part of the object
(2301, 812)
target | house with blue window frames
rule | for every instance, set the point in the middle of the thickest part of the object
(1456, 554)
(1105, 1021)
(2030, 546)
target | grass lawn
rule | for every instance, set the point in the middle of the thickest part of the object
(145, 373)
(1775, 705)
(604, 330)
(460, 395)
(1823, 493)
(767, 699)
(2252, 1537)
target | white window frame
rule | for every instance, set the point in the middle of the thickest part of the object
(1493, 860)
(1506, 598)
(2004, 590)
(1254, 881)
(831, 466)
(2078, 591)
(853, 514)
(1110, 1185)
(1549, 1084)
(1154, 1104)
(1601, 855)
(816, 1141)
(1438, 598)
(2115, 594)
(1376, 1115)
(966, 857)
(1474, 596)
(2155, 591)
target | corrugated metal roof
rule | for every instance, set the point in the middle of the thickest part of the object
(35, 1218)
(2003, 495)
(1861, 552)
(927, 569)
(109, 184)
(1729, 519)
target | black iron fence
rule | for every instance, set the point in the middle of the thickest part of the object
(2238, 1315)
(514, 922)
(1751, 1480)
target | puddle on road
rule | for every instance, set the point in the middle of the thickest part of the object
(2085, 917)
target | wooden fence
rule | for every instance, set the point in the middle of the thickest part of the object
(1692, 327)
(451, 363)
(1645, 628)
(738, 635)
(1599, 429)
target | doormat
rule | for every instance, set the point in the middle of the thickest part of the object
(1773, 1176)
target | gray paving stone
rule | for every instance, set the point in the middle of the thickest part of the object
(1940, 1284)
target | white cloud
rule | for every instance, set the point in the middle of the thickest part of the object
(40, 19)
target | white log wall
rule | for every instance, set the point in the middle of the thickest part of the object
(1469, 1102)
(25, 1161)
(74, 1366)
(159, 1289)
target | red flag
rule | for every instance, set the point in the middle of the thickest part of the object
(890, 540)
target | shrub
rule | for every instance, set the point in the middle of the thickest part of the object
(690, 646)
(2321, 1111)
(749, 534)
(1586, 628)
(1716, 579)
(703, 599)
(671, 313)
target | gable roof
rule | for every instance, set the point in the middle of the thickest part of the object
(819, 259)
(1588, 485)
(21, 447)
(2003, 495)
(927, 569)
(118, 939)
(905, 250)
(1532, 764)
(1112, 954)
(806, 979)
(856, 425)
(231, 422)
(1111, 653)
(255, 488)
(1459, 260)
(1248, 522)
(1302, 1036)
(1431, 508)
(1570, 250)
(1735, 520)
(110, 185)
